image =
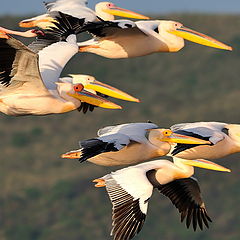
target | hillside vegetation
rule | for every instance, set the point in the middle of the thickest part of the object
(44, 197)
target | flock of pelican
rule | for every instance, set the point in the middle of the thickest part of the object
(31, 84)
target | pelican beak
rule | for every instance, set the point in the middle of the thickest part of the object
(93, 99)
(72, 155)
(179, 138)
(199, 38)
(110, 91)
(205, 164)
(121, 12)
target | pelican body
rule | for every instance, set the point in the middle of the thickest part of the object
(224, 140)
(127, 39)
(127, 144)
(130, 190)
(79, 9)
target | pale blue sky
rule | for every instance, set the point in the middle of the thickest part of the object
(147, 6)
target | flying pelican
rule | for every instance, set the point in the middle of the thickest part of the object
(131, 188)
(128, 144)
(126, 39)
(78, 9)
(29, 76)
(224, 140)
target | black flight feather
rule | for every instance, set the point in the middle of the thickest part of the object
(94, 147)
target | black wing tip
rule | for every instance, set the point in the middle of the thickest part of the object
(93, 147)
(86, 107)
(129, 222)
(185, 196)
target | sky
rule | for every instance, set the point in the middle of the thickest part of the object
(21, 7)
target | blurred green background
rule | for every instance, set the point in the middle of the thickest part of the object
(44, 197)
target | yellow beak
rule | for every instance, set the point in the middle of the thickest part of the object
(85, 96)
(109, 91)
(72, 155)
(121, 12)
(199, 38)
(205, 164)
(179, 138)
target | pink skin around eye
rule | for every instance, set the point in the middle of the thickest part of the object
(111, 5)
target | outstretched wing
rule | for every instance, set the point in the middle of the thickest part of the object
(75, 8)
(64, 26)
(18, 68)
(64, 4)
(129, 191)
(186, 196)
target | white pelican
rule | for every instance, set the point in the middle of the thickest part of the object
(78, 9)
(224, 140)
(128, 144)
(126, 39)
(29, 78)
(130, 190)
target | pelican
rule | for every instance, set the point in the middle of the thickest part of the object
(128, 144)
(224, 140)
(78, 9)
(29, 76)
(130, 190)
(127, 39)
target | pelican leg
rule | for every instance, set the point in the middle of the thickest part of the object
(3, 34)
(100, 183)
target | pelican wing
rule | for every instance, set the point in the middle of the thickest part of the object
(64, 4)
(96, 146)
(75, 8)
(186, 196)
(113, 29)
(114, 138)
(129, 191)
(85, 107)
(133, 130)
(210, 131)
(19, 68)
(65, 25)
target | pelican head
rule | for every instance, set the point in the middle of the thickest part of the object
(167, 135)
(107, 11)
(177, 29)
(77, 94)
(92, 85)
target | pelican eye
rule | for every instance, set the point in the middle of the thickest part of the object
(167, 133)
(78, 88)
